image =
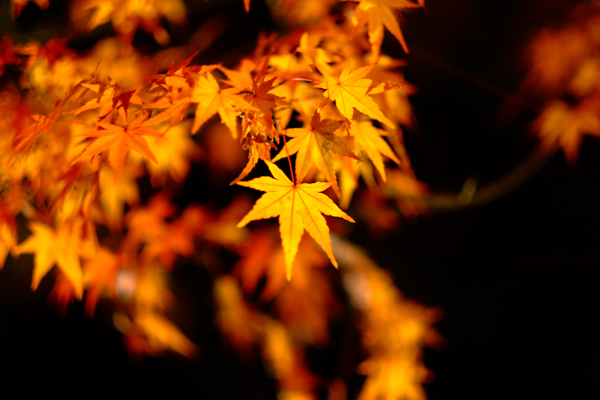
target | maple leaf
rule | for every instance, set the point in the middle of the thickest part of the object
(315, 56)
(350, 91)
(62, 294)
(99, 273)
(233, 317)
(212, 99)
(172, 151)
(118, 140)
(262, 99)
(241, 78)
(561, 124)
(115, 192)
(179, 83)
(285, 361)
(61, 247)
(8, 233)
(259, 147)
(306, 308)
(314, 145)
(299, 207)
(126, 16)
(25, 139)
(178, 238)
(379, 13)
(305, 302)
(392, 377)
(369, 139)
(151, 291)
(163, 334)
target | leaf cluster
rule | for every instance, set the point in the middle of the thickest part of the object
(79, 130)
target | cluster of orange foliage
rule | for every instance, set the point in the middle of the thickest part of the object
(78, 130)
(565, 68)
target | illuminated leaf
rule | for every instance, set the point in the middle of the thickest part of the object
(564, 125)
(116, 192)
(118, 141)
(349, 91)
(99, 273)
(51, 247)
(212, 99)
(314, 145)
(8, 233)
(298, 206)
(379, 13)
(163, 334)
(370, 141)
(263, 100)
(233, 316)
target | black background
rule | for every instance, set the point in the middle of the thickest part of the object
(516, 279)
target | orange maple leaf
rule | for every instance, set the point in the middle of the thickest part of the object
(564, 125)
(99, 275)
(163, 334)
(118, 140)
(299, 207)
(350, 91)
(61, 247)
(25, 139)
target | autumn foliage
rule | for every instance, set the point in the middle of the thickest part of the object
(313, 114)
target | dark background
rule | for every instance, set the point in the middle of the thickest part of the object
(516, 279)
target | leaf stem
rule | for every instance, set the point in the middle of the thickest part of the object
(289, 159)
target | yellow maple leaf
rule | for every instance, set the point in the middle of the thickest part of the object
(315, 56)
(172, 151)
(62, 246)
(234, 317)
(350, 91)
(379, 13)
(8, 233)
(299, 207)
(370, 141)
(392, 377)
(127, 15)
(314, 145)
(212, 99)
(7, 242)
